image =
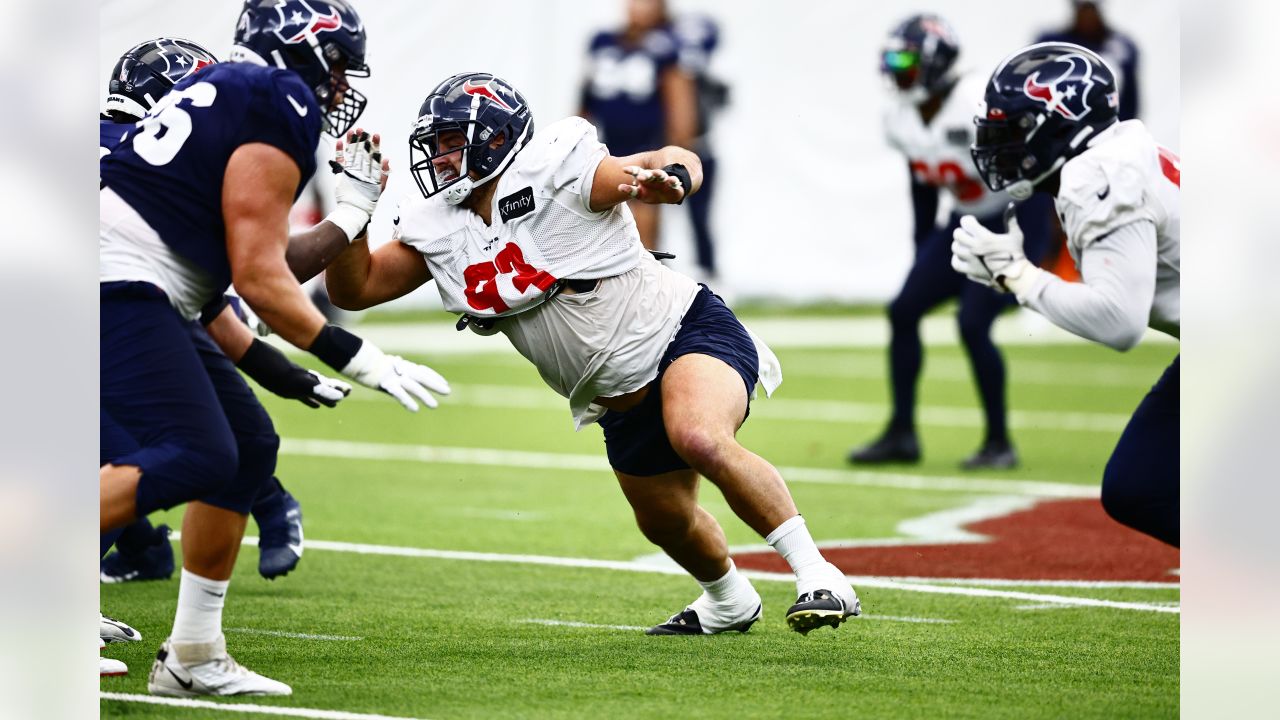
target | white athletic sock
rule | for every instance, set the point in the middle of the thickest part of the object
(726, 601)
(794, 543)
(199, 616)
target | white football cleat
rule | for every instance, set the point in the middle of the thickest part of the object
(114, 631)
(108, 667)
(193, 669)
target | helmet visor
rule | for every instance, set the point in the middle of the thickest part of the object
(902, 65)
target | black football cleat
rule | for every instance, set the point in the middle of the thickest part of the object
(818, 608)
(993, 456)
(892, 447)
(686, 623)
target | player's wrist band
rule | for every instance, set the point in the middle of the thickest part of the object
(335, 346)
(352, 221)
(686, 182)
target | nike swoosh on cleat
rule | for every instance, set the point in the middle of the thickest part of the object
(186, 684)
(302, 109)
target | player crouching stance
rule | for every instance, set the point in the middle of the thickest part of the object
(529, 235)
(1049, 124)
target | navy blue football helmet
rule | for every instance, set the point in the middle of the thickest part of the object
(321, 40)
(919, 57)
(466, 113)
(146, 72)
(1042, 105)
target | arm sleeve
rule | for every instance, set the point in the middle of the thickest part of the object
(1113, 304)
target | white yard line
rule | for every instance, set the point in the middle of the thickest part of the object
(1019, 328)
(292, 635)
(278, 710)
(349, 450)
(629, 566)
(575, 624)
(872, 366)
(529, 397)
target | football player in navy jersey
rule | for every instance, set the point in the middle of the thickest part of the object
(196, 198)
(638, 95)
(141, 76)
(929, 120)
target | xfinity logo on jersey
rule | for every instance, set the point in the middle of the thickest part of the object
(298, 21)
(1062, 85)
(516, 204)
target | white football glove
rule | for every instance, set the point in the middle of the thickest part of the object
(990, 258)
(360, 178)
(399, 378)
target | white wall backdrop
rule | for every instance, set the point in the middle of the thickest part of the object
(811, 204)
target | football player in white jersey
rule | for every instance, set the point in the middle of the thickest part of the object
(930, 121)
(1049, 124)
(530, 235)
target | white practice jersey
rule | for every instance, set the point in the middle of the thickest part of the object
(939, 152)
(543, 229)
(602, 343)
(1123, 178)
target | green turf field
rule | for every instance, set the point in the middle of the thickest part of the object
(476, 597)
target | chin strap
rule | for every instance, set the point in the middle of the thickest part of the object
(459, 191)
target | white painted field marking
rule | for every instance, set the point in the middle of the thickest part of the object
(538, 398)
(860, 581)
(627, 566)
(1086, 584)
(574, 624)
(898, 618)
(292, 635)
(279, 710)
(1019, 328)
(872, 366)
(348, 450)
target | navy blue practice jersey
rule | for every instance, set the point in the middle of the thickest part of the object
(170, 167)
(622, 93)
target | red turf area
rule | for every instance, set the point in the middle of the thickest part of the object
(1055, 540)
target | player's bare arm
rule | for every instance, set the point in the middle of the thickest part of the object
(362, 177)
(641, 176)
(257, 192)
(359, 279)
(310, 251)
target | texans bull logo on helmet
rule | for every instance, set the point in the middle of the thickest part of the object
(486, 89)
(298, 21)
(1063, 86)
(179, 61)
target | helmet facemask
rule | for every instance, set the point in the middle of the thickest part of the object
(482, 158)
(339, 66)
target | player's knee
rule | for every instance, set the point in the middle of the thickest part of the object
(704, 450)
(974, 328)
(259, 451)
(903, 312)
(211, 463)
(1120, 495)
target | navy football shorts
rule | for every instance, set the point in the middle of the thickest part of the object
(636, 441)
